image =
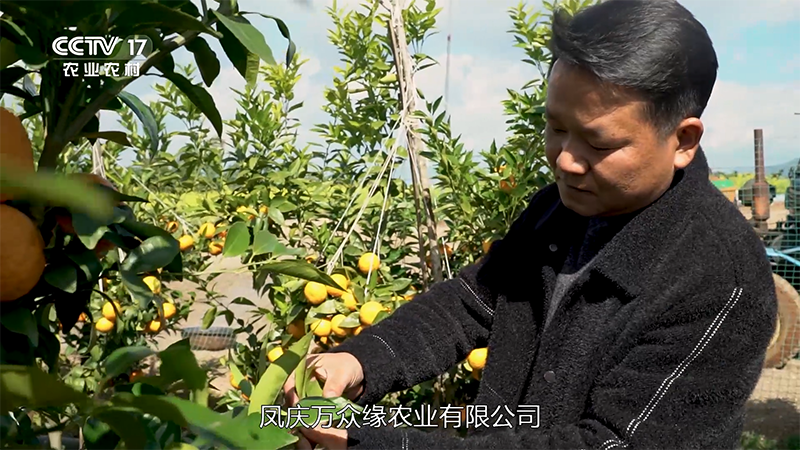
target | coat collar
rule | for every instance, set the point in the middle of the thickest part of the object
(627, 259)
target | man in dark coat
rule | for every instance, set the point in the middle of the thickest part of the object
(630, 305)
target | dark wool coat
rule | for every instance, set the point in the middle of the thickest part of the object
(657, 346)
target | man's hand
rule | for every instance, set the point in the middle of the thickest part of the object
(341, 374)
(327, 438)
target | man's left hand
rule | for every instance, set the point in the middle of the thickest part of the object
(328, 438)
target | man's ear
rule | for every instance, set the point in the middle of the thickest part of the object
(687, 139)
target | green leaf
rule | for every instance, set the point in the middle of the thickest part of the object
(237, 241)
(292, 49)
(271, 383)
(88, 262)
(248, 35)
(205, 58)
(10, 75)
(324, 308)
(199, 97)
(214, 427)
(123, 358)
(351, 321)
(245, 62)
(62, 276)
(58, 190)
(208, 317)
(114, 136)
(147, 15)
(21, 321)
(299, 269)
(28, 386)
(264, 242)
(154, 253)
(145, 115)
(179, 363)
(127, 424)
(89, 231)
(314, 388)
(8, 53)
(137, 288)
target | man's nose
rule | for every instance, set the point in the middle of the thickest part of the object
(569, 161)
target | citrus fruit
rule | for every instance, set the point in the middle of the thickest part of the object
(186, 242)
(104, 325)
(135, 375)
(108, 310)
(215, 248)
(234, 384)
(244, 209)
(349, 300)
(172, 226)
(296, 329)
(15, 147)
(321, 327)
(369, 262)
(357, 331)
(369, 311)
(207, 230)
(154, 326)
(342, 281)
(263, 209)
(315, 293)
(153, 283)
(169, 310)
(83, 317)
(274, 354)
(477, 358)
(22, 257)
(337, 319)
(487, 244)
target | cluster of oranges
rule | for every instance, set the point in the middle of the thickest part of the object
(111, 310)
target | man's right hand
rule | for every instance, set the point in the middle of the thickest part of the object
(341, 374)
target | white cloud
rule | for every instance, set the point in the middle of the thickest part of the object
(477, 88)
(735, 110)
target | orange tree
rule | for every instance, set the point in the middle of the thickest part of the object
(318, 194)
(62, 234)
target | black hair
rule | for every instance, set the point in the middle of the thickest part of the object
(655, 49)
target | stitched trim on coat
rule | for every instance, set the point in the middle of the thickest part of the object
(384, 343)
(494, 392)
(667, 383)
(480, 300)
(403, 439)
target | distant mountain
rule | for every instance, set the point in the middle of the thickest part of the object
(768, 169)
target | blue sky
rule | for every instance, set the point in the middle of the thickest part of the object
(758, 47)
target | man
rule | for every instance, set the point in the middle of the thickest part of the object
(631, 301)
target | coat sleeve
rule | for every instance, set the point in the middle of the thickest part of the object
(428, 335)
(682, 385)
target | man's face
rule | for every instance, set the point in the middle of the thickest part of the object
(607, 159)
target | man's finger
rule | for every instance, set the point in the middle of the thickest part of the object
(334, 387)
(303, 443)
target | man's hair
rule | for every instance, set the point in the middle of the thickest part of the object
(653, 48)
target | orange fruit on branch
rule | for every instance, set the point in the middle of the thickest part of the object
(215, 248)
(15, 147)
(108, 310)
(477, 358)
(342, 281)
(369, 311)
(296, 328)
(172, 226)
(274, 354)
(185, 242)
(207, 230)
(369, 262)
(104, 325)
(22, 259)
(315, 293)
(169, 310)
(321, 327)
